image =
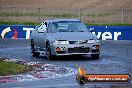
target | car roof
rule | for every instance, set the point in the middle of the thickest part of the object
(57, 20)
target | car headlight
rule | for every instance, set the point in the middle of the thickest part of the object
(97, 41)
(60, 42)
(93, 41)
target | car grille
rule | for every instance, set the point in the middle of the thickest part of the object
(78, 50)
(78, 42)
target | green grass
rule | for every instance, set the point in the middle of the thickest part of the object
(10, 68)
(116, 24)
(35, 24)
(18, 14)
(99, 14)
(19, 23)
(64, 15)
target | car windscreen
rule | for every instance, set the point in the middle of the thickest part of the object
(67, 26)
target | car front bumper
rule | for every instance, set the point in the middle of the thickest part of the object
(73, 49)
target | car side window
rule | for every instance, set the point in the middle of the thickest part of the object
(52, 28)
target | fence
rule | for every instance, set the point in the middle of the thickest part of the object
(97, 16)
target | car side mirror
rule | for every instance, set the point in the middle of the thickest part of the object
(91, 29)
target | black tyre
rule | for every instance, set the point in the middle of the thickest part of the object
(48, 52)
(95, 56)
(34, 54)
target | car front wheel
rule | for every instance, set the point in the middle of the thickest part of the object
(95, 56)
(34, 54)
(48, 52)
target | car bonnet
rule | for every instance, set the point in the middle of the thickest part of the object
(73, 36)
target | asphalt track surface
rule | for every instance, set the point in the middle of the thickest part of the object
(115, 58)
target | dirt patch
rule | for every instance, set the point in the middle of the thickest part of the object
(39, 71)
(93, 11)
(68, 4)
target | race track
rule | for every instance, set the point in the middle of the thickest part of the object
(115, 58)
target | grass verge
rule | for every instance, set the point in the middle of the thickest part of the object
(62, 15)
(35, 24)
(99, 14)
(18, 14)
(19, 23)
(11, 68)
(116, 24)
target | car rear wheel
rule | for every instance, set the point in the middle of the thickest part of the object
(95, 56)
(48, 52)
(33, 52)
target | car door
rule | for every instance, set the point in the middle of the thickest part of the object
(37, 35)
(42, 32)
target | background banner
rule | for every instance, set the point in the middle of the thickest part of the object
(102, 32)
